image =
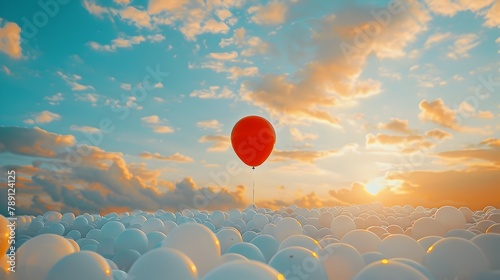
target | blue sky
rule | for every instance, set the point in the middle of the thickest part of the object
(406, 101)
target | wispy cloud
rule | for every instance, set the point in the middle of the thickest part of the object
(177, 157)
(220, 143)
(43, 117)
(126, 42)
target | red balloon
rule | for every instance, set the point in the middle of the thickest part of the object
(253, 139)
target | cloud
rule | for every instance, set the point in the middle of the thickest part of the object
(71, 80)
(450, 8)
(300, 137)
(463, 44)
(126, 42)
(492, 142)
(493, 16)
(220, 142)
(88, 97)
(250, 45)
(177, 157)
(224, 55)
(300, 155)
(137, 17)
(384, 72)
(6, 70)
(213, 92)
(33, 141)
(98, 181)
(192, 18)
(233, 72)
(271, 14)
(151, 119)
(54, 99)
(210, 124)
(85, 129)
(94, 9)
(437, 112)
(157, 125)
(163, 129)
(331, 77)
(385, 139)
(223, 14)
(438, 134)
(43, 117)
(436, 38)
(10, 39)
(396, 125)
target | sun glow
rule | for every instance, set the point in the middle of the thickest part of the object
(374, 186)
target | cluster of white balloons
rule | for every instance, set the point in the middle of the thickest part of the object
(344, 242)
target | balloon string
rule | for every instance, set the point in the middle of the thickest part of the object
(253, 187)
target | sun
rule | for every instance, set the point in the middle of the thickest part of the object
(374, 186)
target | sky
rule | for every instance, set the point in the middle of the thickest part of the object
(120, 105)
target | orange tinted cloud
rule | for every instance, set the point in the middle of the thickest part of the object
(396, 125)
(177, 157)
(271, 14)
(438, 134)
(10, 39)
(220, 142)
(386, 139)
(33, 142)
(299, 155)
(333, 74)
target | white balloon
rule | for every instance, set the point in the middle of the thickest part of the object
(155, 238)
(453, 257)
(418, 266)
(341, 225)
(68, 218)
(247, 250)
(198, 242)
(298, 262)
(325, 219)
(37, 256)
(388, 270)
(267, 244)
(300, 240)
(341, 261)
(401, 246)
(427, 226)
(428, 241)
(112, 229)
(231, 257)
(80, 266)
(363, 240)
(227, 238)
(260, 220)
(126, 258)
(244, 270)
(462, 233)
(287, 227)
(490, 245)
(494, 229)
(131, 238)
(217, 218)
(153, 224)
(450, 217)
